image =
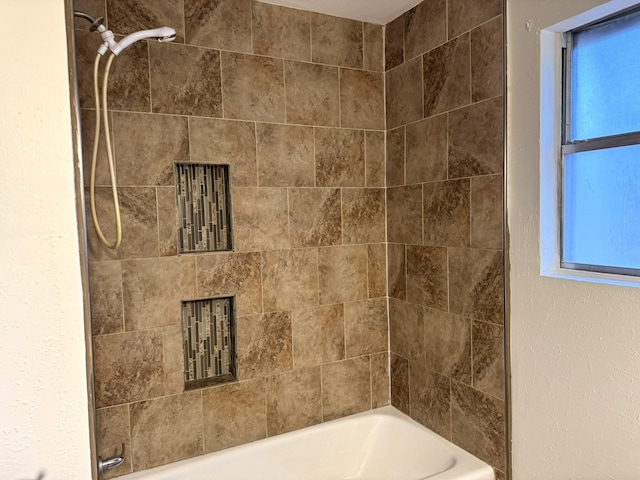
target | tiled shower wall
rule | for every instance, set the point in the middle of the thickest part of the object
(294, 103)
(444, 110)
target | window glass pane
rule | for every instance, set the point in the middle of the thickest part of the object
(601, 219)
(605, 68)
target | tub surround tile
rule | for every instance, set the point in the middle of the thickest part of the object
(128, 367)
(96, 7)
(223, 24)
(395, 174)
(234, 414)
(166, 430)
(373, 51)
(281, 32)
(339, 157)
(105, 284)
(500, 475)
(253, 87)
(361, 99)
(365, 327)
(153, 290)
(226, 142)
(374, 159)
(346, 388)
(167, 221)
(487, 212)
(377, 270)
(227, 274)
(112, 430)
(427, 279)
(394, 43)
(488, 358)
(429, 399)
(261, 219)
(264, 345)
(427, 150)
(363, 212)
(476, 139)
(128, 16)
(400, 383)
(406, 325)
(448, 345)
(404, 94)
(397, 271)
(173, 359)
(294, 400)
(88, 124)
(466, 14)
(185, 80)
(289, 279)
(447, 213)
(336, 41)
(486, 60)
(342, 274)
(312, 94)
(318, 335)
(447, 77)
(380, 386)
(478, 424)
(425, 27)
(404, 214)
(285, 156)
(314, 217)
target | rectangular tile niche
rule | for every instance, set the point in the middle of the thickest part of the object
(208, 337)
(204, 208)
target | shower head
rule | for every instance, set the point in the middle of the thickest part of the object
(162, 34)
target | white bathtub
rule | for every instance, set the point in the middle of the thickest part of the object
(382, 444)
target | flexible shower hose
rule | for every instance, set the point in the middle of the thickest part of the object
(94, 158)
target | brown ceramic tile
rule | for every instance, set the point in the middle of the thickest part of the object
(406, 330)
(173, 359)
(226, 142)
(448, 344)
(87, 129)
(138, 211)
(427, 276)
(128, 16)
(264, 344)
(253, 87)
(400, 383)
(86, 47)
(397, 271)
(396, 157)
(234, 414)
(447, 77)
(346, 388)
(365, 327)
(404, 214)
(185, 80)
(294, 400)
(167, 221)
(336, 41)
(112, 425)
(476, 284)
(478, 424)
(285, 156)
(105, 285)
(425, 27)
(361, 99)
(97, 8)
(374, 159)
(404, 93)
(363, 215)
(290, 279)
(467, 14)
(447, 212)
(377, 270)
(318, 335)
(312, 94)
(429, 398)
(166, 430)
(427, 150)
(486, 212)
(500, 475)
(380, 386)
(339, 157)
(314, 217)
(488, 358)
(394, 43)
(260, 219)
(128, 367)
(476, 139)
(147, 146)
(486, 60)
(153, 290)
(342, 274)
(224, 274)
(373, 47)
(223, 24)
(281, 32)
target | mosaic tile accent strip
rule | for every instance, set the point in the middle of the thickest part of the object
(208, 334)
(204, 208)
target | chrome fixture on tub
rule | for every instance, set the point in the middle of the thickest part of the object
(109, 463)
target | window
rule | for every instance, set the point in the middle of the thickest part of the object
(600, 224)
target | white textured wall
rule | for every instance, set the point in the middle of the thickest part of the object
(575, 346)
(43, 393)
